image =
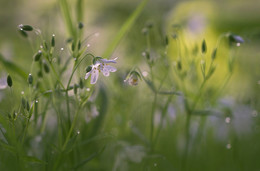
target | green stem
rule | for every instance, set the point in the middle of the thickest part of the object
(152, 120)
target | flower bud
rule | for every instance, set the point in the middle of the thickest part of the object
(166, 40)
(23, 33)
(75, 89)
(179, 65)
(73, 46)
(146, 55)
(81, 83)
(30, 79)
(38, 55)
(53, 40)
(46, 67)
(214, 53)
(133, 78)
(9, 81)
(26, 27)
(81, 25)
(89, 68)
(235, 38)
(79, 45)
(204, 47)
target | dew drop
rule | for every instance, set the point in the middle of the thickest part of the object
(88, 89)
(88, 45)
(36, 101)
(61, 49)
(238, 44)
(78, 132)
(75, 59)
(22, 92)
(41, 47)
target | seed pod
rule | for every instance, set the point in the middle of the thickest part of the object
(30, 79)
(81, 25)
(38, 55)
(46, 67)
(9, 81)
(26, 27)
(53, 40)
(204, 47)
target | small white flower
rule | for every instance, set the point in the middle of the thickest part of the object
(100, 65)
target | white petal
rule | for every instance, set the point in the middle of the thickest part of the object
(109, 68)
(105, 73)
(94, 76)
(87, 74)
(108, 61)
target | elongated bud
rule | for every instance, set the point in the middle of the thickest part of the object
(166, 40)
(9, 81)
(30, 79)
(214, 54)
(26, 27)
(38, 55)
(179, 65)
(45, 45)
(89, 68)
(204, 47)
(53, 40)
(75, 89)
(79, 45)
(27, 106)
(23, 33)
(81, 25)
(23, 103)
(46, 67)
(146, 55)
(81, 83)
(73, 47)
(40, 74)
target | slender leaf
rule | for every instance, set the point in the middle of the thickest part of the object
(124, 29)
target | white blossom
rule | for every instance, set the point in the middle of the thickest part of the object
(100, 65)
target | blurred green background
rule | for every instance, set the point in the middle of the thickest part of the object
(126, 127)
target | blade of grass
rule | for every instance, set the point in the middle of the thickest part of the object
(11, 67)
(67, 17)
(124, 29)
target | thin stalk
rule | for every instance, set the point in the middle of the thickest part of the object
(152, 120)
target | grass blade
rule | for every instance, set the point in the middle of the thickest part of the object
(124, 29)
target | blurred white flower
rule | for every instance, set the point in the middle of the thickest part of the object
(100, 65)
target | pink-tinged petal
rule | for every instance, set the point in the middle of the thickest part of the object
(94, 76)
(87, 74)
(109, 68)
